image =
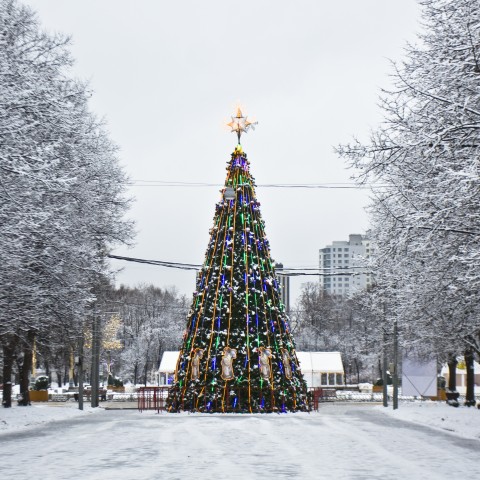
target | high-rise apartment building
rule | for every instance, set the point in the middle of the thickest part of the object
(341, 264)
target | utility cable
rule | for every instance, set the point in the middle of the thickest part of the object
(288, 272)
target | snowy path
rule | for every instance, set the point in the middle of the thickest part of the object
(340, 442)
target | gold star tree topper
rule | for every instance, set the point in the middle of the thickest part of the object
(240, 124)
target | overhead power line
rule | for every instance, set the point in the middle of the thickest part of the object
(160, 263)
(326, 185)
(289, 272)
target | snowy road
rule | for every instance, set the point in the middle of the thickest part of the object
(339, 442)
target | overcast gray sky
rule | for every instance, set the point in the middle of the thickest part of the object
(166, 75)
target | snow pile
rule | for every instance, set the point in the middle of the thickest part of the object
(461, 421)
(18, 419)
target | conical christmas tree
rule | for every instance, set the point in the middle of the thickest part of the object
(238, 354)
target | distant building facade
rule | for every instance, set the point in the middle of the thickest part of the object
(341, 264)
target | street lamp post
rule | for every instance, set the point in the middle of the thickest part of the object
(395, 364)
(384, 360)
(384, 371)
(79, 364)
(95, 369)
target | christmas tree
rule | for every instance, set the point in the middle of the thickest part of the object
(238, 354)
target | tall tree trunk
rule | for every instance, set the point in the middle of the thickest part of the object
(81, 345)
(70, 375)
(452, 374)
(95, 367)
(452, 394)
(469, 366)
(135, 373)
(25, 370)
(146, 372)
(358, 371)
(8, 351)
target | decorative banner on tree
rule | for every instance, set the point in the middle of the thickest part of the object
(197, 355)
(265, 369)
(227, 363)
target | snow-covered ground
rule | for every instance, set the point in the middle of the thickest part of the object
(347, 441)
(461, 421)
(19, 419)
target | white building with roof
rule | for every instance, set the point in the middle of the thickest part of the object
(166, 371)
(341, 264)
(322, 369)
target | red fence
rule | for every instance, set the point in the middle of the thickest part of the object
(321, 395)
(152, 398)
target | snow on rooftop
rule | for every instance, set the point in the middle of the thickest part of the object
(327, 362)
(169, 362)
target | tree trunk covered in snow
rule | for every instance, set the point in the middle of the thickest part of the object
(25, 370)
(80, 370)
(452, 394)
(146, 372)
(452, 374)
(470, 366)
(8, 352)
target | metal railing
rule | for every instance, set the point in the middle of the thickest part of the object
(152, 398)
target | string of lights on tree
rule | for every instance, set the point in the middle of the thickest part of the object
(238, 354)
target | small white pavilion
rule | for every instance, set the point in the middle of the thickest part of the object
(167, 368)
(320, 369)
